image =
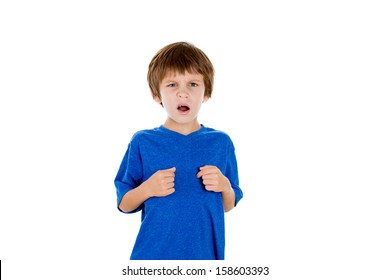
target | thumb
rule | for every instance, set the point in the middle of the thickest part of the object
(173, 169)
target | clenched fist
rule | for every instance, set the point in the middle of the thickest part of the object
(213, 179)
(161, 183)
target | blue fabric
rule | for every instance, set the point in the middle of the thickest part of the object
(188, 224)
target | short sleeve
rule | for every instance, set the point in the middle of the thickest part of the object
(129, 175)
(232, 171)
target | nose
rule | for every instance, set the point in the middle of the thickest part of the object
(182, 92)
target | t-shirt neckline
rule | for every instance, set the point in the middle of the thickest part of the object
(172, 132)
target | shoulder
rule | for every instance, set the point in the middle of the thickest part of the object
(144, 134)
(217, 134)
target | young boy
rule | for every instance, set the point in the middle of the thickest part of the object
(182, 175)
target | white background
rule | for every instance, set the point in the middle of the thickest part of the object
(302, 87)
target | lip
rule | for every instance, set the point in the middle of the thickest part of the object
(183, 105)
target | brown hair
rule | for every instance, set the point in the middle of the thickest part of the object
(180, 57)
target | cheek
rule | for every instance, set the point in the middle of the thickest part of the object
(198, 103)
(164, 94)
(168, 101)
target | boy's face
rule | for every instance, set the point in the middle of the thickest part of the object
(182, 96)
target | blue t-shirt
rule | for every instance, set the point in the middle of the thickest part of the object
(189, 223)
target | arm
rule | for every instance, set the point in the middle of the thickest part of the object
(228, 198)
(134, 198)
(215, 181)
(159, 184)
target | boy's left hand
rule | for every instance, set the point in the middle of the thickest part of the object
(213, 179)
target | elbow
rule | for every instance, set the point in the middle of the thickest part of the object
(124, 209)
(228, 208)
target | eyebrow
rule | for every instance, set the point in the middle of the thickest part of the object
(173, 80)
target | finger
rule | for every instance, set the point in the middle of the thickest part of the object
(170, 191)
(168, 179)
(202, 173)
(209, 182)
(166, 176)
(206, 167)
(211, 176)
(210, 188)
(166, 192)
(169, 172)
(205, 170)
(172, 169)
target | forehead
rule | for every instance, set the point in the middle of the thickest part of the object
(172, 75)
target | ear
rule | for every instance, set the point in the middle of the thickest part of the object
(157, 99)
(205, 98)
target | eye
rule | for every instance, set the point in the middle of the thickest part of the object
(171, 85)
(193, 84)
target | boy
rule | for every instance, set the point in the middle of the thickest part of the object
(182, 175)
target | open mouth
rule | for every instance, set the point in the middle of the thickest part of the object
(183, 108)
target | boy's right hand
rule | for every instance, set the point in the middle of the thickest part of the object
(161, 183)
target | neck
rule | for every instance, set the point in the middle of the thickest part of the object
(185, 129)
